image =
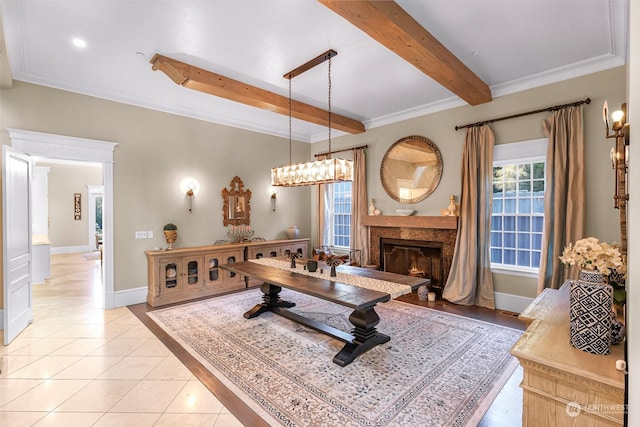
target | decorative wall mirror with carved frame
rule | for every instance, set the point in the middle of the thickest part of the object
(236, 209)
(411, 169)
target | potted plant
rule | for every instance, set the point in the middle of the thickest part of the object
(170, 231)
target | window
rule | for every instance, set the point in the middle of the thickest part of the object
(340, 227)
(518, 206)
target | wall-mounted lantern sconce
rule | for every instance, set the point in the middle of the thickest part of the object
(619, 161)
(190, 187)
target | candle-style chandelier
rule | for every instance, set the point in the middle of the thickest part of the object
(319, 171)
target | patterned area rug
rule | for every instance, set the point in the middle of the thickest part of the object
(438, 369)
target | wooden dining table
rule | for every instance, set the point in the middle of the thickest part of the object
(364, 335)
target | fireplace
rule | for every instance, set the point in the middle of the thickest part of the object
(420, 258)
(431, 240)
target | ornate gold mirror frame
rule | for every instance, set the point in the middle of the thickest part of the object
(411, 169)
(237, 204)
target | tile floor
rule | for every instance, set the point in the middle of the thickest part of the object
(79, 365)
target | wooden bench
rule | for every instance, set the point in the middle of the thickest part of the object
(364, 335)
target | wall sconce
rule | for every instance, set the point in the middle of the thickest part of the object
(274, 196)
(190, 187)
(619, 161)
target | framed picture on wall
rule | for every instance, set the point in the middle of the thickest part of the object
(77, 209)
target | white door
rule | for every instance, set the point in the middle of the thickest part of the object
(16, 231)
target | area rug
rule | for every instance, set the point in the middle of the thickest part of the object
(438, 369)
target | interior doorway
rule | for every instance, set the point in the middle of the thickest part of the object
(62, 147)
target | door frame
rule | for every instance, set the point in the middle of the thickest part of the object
(93, 191)
(62, 147)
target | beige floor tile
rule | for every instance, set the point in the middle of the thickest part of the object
(127, 318)
(186, 420)
(12, 388)
(116, 315)
(131, 368)
(127, 420)
(17, 343)
(43, 329)
(11, 364)
(80, 331)
(80, 347)
(98, 396)
(151, 347)
(195, 398)
(169, 369)
(41, 347)
(88, 368)
(46, 396)
(227, 420)
(45, 367)
(88, 330)
(119, 347)
(69, 419)
(138, 331)
(19, 419)
(149, 396)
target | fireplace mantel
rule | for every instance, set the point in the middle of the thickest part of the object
(437, 222)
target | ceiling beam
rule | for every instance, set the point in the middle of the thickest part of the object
(214, 84)
(389, 24)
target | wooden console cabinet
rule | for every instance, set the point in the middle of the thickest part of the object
(564, 386)
(187, 273)
(275, 248)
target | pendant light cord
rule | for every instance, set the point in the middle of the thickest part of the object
(289, 122)
(329, 102)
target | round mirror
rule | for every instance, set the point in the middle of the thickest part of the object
(411, 169)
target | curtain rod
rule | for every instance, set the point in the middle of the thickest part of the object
(554, 108)
(340, 151)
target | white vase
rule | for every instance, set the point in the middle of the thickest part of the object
(293, 232)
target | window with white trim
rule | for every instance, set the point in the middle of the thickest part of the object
(340, 227)
(517, 219)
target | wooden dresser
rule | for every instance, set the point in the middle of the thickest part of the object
(564, 386)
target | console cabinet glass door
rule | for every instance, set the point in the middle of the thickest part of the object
(191, 272)
(169, 282)
(214, 273)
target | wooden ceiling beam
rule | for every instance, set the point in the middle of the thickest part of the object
(214, 84)
(389, 24)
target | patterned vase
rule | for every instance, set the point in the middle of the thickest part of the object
(590, 307)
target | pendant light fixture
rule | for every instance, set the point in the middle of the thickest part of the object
(323, 171)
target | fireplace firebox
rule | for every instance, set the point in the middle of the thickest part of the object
(418, 258)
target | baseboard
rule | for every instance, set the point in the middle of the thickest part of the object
(56, 250)
(510, 302)
(130, 297)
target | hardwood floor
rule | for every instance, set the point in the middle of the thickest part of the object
(506, 410)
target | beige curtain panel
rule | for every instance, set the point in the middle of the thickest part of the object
(470, 281)
(564, 197)
(359, 236)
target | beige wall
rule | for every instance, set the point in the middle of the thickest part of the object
(155, 151)
(601, 217)
(65, 180)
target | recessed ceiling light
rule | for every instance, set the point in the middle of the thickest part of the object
(78, 42)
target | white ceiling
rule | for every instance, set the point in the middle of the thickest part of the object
(512, 45)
